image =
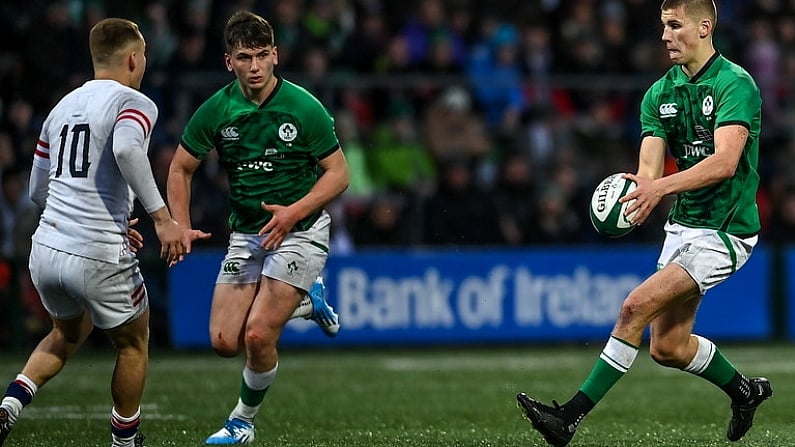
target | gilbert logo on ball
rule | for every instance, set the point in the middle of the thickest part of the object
(607, 214)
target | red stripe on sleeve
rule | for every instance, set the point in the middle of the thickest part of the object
(42, 154)
(43, 144)
(148, 126)
(137, 120)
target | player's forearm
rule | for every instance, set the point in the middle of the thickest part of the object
(161, 216)
(134, 167)
(651, 161)
(707, 172)
(328, 187)
(39, 186)
(179, 197)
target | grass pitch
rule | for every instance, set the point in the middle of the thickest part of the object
(396, 397)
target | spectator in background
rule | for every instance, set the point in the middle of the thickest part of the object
(496, 75)
(557, 222)
(8, 154)
(159, 29)
(386, 221)
(320, 20)
(64, 51)
(429, 20)
(762, 56)
(452, 129)
(460, 212)
(397, 160)
(514, 197)
(356, 153)
(291, 33)
(780, 230)
(18, 214)
(365, 45)
(441, 67)
(536, 60)
(18, 124)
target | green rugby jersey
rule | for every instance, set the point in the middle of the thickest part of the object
(685, 113)
(270, 152)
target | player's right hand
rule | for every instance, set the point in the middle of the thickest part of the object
(172, 240)
(192, 235)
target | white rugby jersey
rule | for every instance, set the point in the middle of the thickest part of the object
(88, 202)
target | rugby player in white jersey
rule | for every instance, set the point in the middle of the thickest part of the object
(89, 165)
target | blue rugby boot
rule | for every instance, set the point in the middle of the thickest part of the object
(234, 431)
(322, 312)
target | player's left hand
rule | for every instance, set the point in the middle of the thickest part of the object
(646, 197)
(283, 220)
(134, 238)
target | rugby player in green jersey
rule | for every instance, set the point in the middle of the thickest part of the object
(706, 110)
(270, 136)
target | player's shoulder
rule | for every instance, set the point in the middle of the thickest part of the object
(217, 104)
(730, 72)
(223, 95)
(113, 96)
(114, 89)
(300, 99)
(659, 86)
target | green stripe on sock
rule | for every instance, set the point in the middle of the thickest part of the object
(720, 370)
(602, 378)
(250, 397)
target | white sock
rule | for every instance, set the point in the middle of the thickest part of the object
(257, 382)
(619, 354)
(704, 354)
(304, 309)
(119, 422)
(14, 405)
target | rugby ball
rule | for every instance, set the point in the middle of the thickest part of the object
(607, 214)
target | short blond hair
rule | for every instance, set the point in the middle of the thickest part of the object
(109, 36)
(698, 9)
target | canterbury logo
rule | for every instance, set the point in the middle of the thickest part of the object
(231, 267)
(230, 133)
(668, 110)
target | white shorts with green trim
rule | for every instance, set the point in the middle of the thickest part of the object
(708, 256)
(298, 261)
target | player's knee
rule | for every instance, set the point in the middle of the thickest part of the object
(259, 338)
(634, 308)
(224, 347)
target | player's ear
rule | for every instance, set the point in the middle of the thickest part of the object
(132, 63)
(228, 61)
(704, 28)
(275, 56)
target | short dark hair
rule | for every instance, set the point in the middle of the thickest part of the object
(109, 36)
(694, 8)
(248, 30)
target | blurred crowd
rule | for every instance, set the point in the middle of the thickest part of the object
(464, 122)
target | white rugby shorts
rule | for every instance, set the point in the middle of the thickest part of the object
(298, 261)
(708, 256)
(68, 284)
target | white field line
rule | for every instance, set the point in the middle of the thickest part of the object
(531, 363)
(480, 363)
(77, 412)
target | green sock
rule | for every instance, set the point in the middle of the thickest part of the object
(710, 364)
(615, 360)
(252, 398)
(252, 392)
